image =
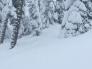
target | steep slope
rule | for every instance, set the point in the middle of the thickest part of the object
(48, 51)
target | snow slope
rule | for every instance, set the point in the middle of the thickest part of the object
(48, 51)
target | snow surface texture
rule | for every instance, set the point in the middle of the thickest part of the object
(48, 51)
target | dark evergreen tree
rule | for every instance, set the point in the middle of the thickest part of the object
(4, 17)
(18, 4)
(59, 9)
(4, 27)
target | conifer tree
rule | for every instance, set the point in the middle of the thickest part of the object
(4, 27)
(18, 4)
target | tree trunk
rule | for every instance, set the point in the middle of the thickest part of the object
(18, 4)
(4, 26)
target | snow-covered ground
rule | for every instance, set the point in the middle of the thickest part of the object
(48, 51)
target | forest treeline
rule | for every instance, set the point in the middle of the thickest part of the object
(19, 18)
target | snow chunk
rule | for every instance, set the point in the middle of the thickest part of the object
(68, 3)
(80, 5)
(75, 17)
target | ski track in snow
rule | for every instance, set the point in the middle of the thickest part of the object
(48, 51)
